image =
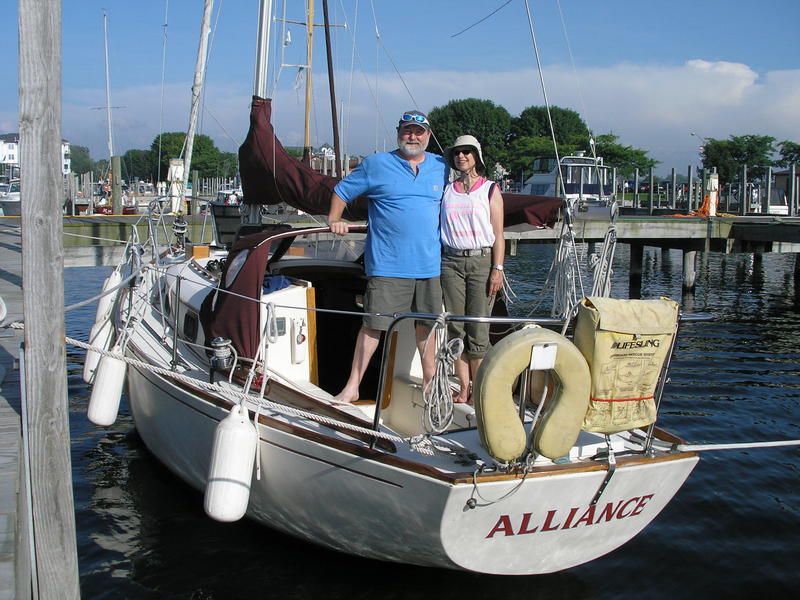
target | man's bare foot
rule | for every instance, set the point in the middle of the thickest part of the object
(346, 397)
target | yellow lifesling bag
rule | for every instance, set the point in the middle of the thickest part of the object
(625, 343)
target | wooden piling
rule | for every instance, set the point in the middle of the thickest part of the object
(744, 201)
(797, 278)
(116, 185)
(45, 380)
(635, 274)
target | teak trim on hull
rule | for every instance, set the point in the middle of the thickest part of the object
(303, 401)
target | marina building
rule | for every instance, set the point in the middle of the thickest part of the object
(9, 156)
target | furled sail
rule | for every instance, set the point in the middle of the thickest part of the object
(270, 175)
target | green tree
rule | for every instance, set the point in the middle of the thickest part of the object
(228, 164)
(729, 156)
(790, 154)
(626, 159)
(489, 123)
(533, 122)
(80, 159)
(206, 158)
(171, 147)
(137, 164)
(100, 168)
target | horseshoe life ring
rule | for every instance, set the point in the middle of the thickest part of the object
(499, 425)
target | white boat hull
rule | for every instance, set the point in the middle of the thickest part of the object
(314, 490)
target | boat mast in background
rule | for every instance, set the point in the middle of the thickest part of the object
(309, 56)
(337, 168)
(108, 89)
(197, 88)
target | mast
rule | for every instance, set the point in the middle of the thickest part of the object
(309, 53)
(108, 90)
(262, 48)
(337, 169)
(197, 88)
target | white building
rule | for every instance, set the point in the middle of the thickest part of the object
(9, 155)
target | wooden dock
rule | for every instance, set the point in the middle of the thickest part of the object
(91, 240)
(15, 574)
(95, 240)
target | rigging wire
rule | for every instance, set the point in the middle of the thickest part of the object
(367, 82)
(377, 69)
(163, 73)
(346, 123)
(402, 80)
(496, 10)
(565, 263)
(574, 69)
(205, 72)
(600, 265)
(584, 112)
(544, 89)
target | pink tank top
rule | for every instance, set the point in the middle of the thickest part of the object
(464, 220)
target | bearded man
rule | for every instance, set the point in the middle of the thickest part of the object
(402, 258)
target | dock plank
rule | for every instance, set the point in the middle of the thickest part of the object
(14, 554)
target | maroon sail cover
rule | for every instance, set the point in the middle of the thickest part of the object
(236, 316)
(270, 175)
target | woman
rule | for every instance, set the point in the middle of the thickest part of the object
(473, 250)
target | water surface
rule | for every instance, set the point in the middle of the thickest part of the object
(732, 531)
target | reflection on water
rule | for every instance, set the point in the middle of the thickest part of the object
(733, 531)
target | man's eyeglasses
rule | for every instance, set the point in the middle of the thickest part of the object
(416, 118)
(464, 151)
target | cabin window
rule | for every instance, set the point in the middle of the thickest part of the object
(190, 326)
(544, 165)
(235, 266)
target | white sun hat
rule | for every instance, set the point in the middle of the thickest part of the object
(466, 140)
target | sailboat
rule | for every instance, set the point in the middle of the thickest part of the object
(231, 353)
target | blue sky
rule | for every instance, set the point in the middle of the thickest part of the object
(648, 71)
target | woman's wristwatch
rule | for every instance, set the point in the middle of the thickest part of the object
(497, 267)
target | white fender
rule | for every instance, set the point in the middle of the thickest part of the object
(102, 335)
(501, 431)
(107, 391)
(102, 332)
(231, 469)
(106, 303)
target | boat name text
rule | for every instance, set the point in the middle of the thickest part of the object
(553, 520)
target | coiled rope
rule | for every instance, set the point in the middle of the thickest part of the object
(438, 412)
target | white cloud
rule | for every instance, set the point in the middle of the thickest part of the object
(654, 107)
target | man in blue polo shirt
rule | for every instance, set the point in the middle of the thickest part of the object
(402, 257)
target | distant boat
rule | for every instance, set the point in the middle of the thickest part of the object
(587, 183)
(9, 201)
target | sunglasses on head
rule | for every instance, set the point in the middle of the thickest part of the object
(416, 118)
(464, 151)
